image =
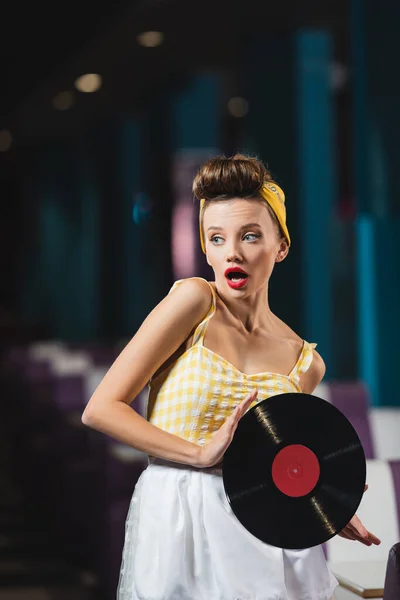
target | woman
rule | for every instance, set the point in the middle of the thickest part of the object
(209, 350)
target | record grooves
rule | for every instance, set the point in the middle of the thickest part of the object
(295, 471)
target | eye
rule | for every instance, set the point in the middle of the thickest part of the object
(215, 239)
(252, 235)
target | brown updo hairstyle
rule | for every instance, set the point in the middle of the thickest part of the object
(239, 176)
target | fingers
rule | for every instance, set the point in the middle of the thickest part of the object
(362, 540)
(360, 531)
(366, 487)
(356, 530)
(373, 539)
(242, 408)
(244, 405)
(347, 535)
(357, 527)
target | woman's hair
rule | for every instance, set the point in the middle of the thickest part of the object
(239, 176)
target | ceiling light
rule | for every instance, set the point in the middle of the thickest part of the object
(150, 39)
(5, 140)
(63, 101)
(88, 83)
(238, 107)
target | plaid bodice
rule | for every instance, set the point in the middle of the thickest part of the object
(192, 397)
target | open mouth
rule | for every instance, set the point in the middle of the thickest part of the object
(237, 276)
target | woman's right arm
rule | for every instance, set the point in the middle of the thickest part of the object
(161, 334)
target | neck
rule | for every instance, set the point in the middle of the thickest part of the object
(253, 312)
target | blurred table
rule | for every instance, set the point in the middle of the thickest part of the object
(363, 579)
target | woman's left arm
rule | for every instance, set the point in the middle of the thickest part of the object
(354, 530)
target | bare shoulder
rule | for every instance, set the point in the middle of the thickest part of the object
(311, 378)
(196, 287)
(159, 336)
(180, 310)
(318, 363)
(190, 301)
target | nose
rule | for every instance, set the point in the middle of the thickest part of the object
(233, 254)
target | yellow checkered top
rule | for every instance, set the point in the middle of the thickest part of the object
(193, 396)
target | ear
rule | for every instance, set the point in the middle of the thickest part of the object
(283, 251)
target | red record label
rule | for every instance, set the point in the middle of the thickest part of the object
(295, 470)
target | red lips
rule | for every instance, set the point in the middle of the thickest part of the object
(242, 279)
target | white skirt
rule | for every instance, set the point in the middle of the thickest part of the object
(183, 542)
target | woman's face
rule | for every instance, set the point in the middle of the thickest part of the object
(241, 234)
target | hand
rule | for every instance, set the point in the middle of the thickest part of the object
(355, 530)
(212, 453)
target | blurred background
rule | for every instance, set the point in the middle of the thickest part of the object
(106, 111)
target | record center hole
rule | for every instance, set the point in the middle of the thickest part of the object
(295, 470)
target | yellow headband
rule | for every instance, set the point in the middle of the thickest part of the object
(275, 198)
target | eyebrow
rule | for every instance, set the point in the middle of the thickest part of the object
(247, 226)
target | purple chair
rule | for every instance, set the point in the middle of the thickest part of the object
(16, 356)
(59, 458)
(392, 579)
(352, 400)
(69, 392)
(395, 467)
(99, 355)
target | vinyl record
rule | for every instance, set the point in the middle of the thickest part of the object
(295, 471)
